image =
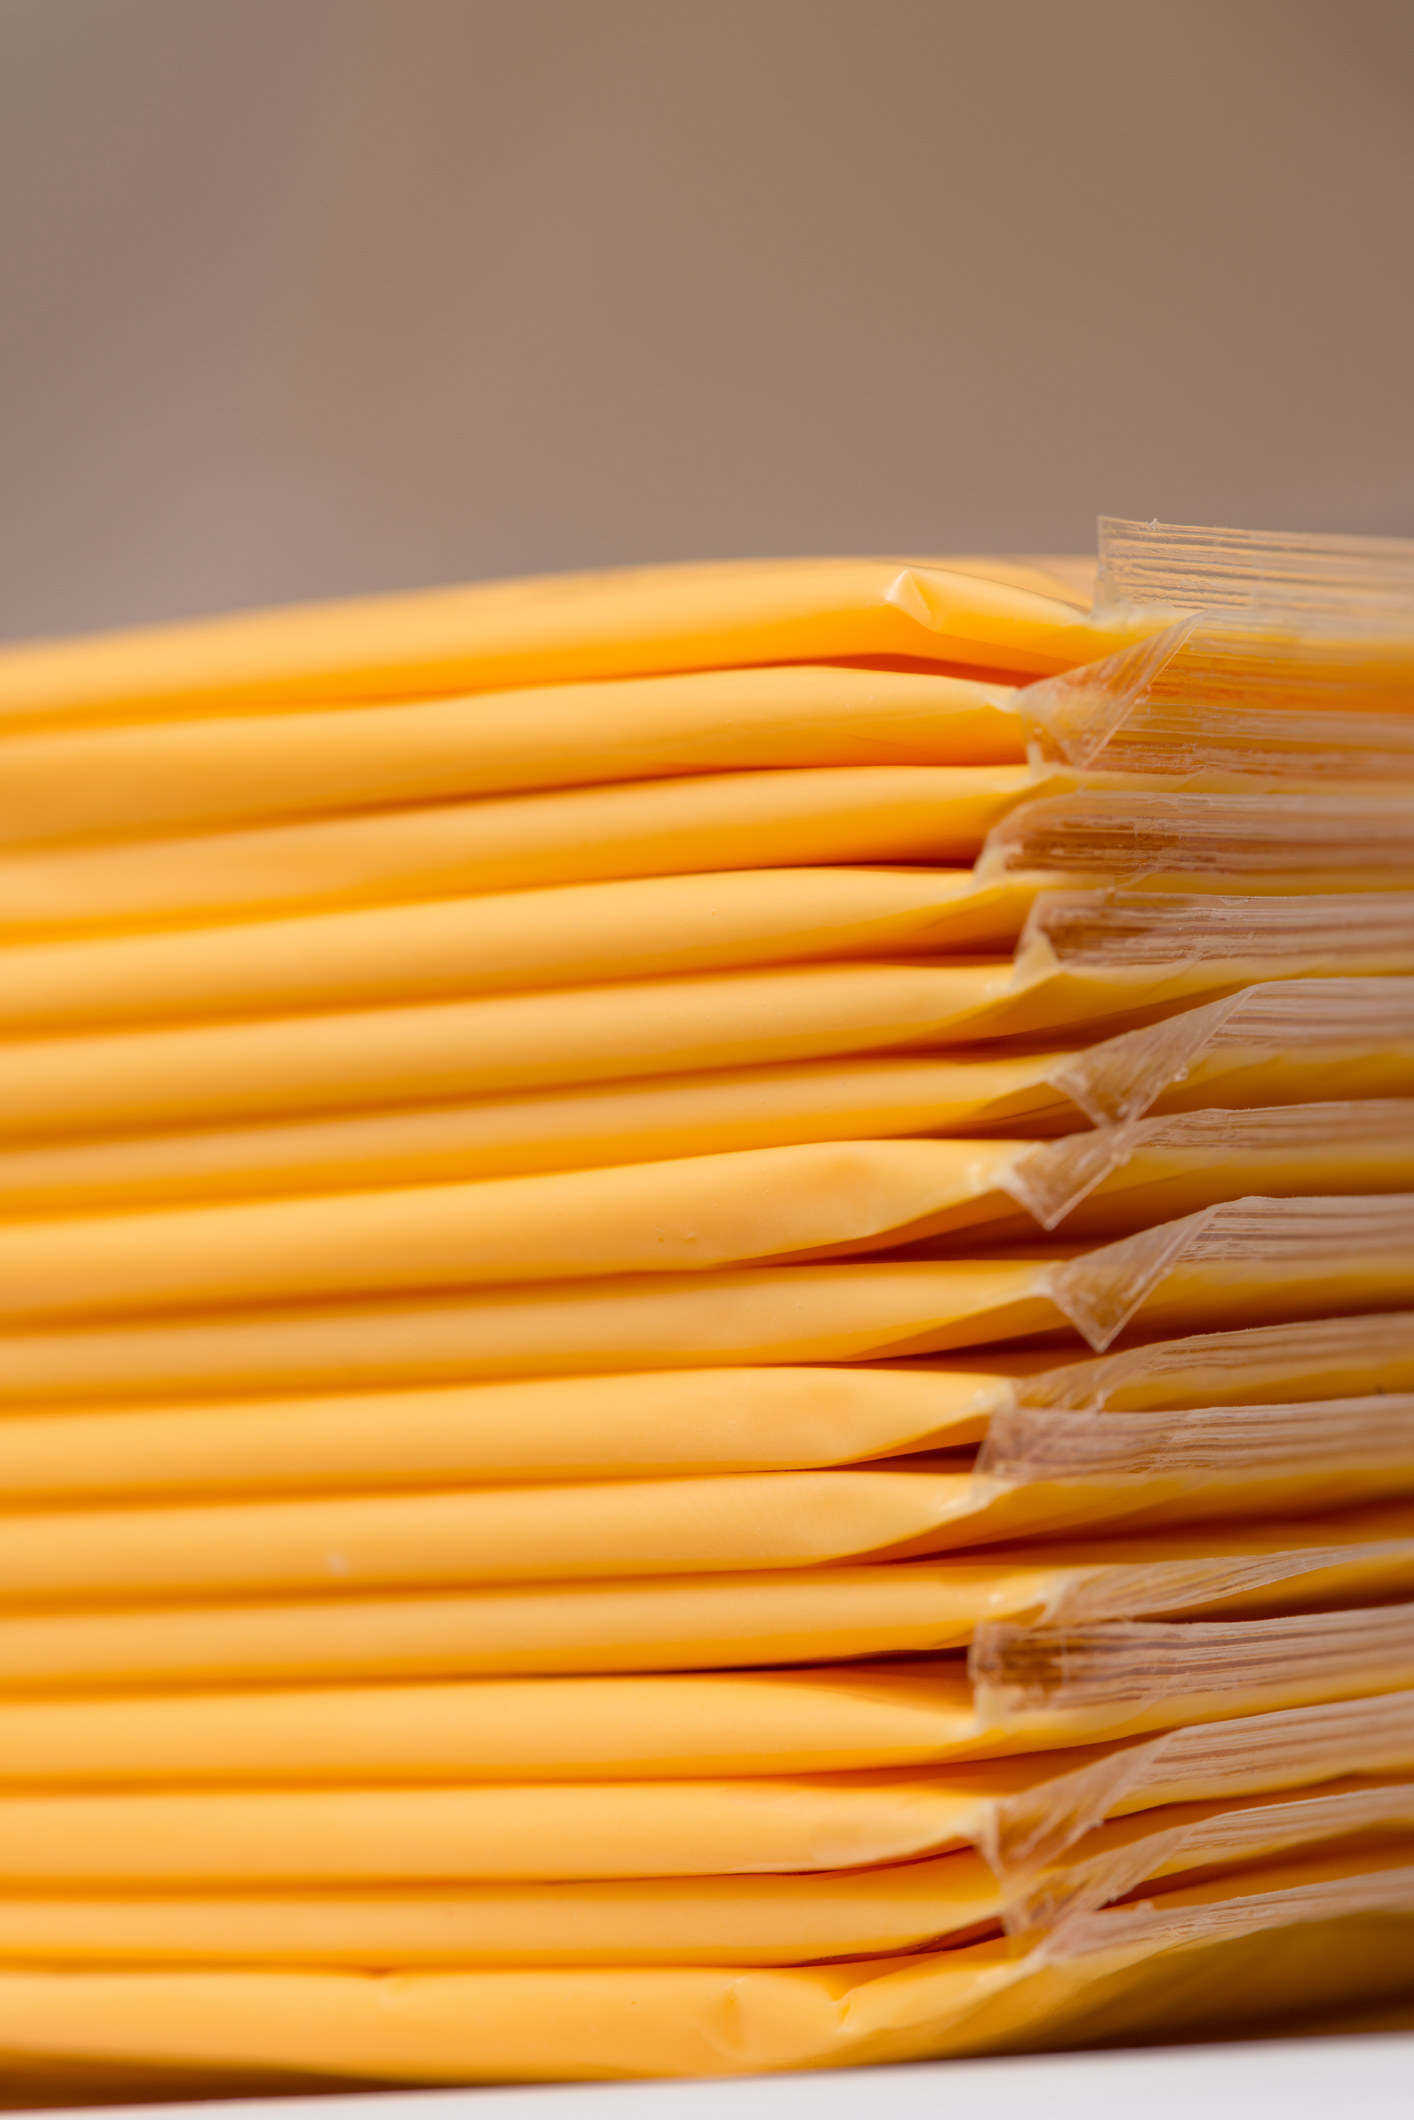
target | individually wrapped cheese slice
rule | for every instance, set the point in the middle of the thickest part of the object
(1022, 1814)
(554, 630)
(1184, 1421)
(1089, 964)
(1189, 843)
(694, 1212)
(1117, 1859)
(1287, 1941)
(1243, 1260)
(562, 1428)
(619, 1123)
(638, 1615)
(1283, 1043)
(781, 819)
(232, 769)
(813, 1200)
(575, 936)
(299, 1694)
(643, 1920)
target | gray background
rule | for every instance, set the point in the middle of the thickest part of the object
(300, 297)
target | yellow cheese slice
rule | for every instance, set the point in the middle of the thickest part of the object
(557, 629)
(937, 815)
(1292, 1941)
(230, 769)
(1264, 1781)
(638, 929)
(1288, 1042)
(594, 1610)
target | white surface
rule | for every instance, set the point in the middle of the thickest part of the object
(1291, 2079)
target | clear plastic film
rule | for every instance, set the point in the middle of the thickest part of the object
(1284, 1042)
(1247, 1258)
(1217, 704)
(1350, 581)
(1117, 1859)
(1272, 1364)
(1069, 1685)
(1189, 843)
(1154, 1169)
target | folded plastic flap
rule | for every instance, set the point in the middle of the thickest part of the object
(1229, 697)
(1329, 1357)
(1122, 1077)
(1125, 837)
(1188, 1837)
(1169, 1921)
(1281, 1748)
(1193, 567)
(1052, 1178)
(1103, 1289)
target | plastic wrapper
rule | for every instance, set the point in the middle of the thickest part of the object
(1349, 582)
(635, 1618)
(1284, 1043)
(1289, 1041)
(938, 815)
(581, 934)
(1191, 843)
(1210, 706)
(234, 769)
(1123, 1177)
(637, 622)
(1282, 1939)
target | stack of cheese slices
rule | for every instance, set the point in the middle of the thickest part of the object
(707, 1320)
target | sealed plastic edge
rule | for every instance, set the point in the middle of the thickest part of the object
(1137, 1664)
(1260, 1357)
(1254, 1831)
(1193, 567)
(1124, 837)
(1286, 1747)
(1052, 1178)
(1151, 1924)
(1101, 1291)
(1118, 1080)
(1114, 930)
(1025, 1443)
